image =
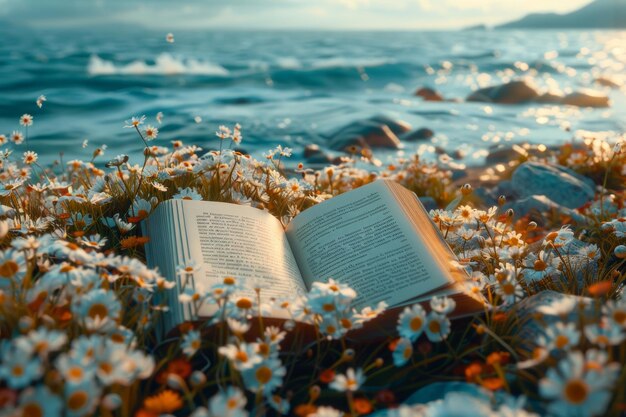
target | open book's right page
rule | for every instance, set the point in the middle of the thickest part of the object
(365, 239)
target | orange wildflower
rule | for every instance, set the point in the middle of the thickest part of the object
(327, 376)
(498, 358)
(134, 241)
(303, 410)
(600, 288)
(362, 405)
(492, 384)
(166, 401)
(473, 371)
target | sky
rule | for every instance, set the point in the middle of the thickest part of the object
(277, 14)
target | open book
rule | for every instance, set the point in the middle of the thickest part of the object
(378, 239)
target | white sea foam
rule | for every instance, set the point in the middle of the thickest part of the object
(341, 62)
(288, 62)
(164, 64)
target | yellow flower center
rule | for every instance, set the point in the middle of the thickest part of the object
(32, 410)
(244, 303)
(75, 373)
(98, 310)
(407, 352)
(540, 265)
(328, 307)
(416, 323)
(263, 375)
(508, 288)
(106, 367)
(619, 316)
(576, 391)
(561, 341)
(18, 370)
(434, 326)
(77, 400)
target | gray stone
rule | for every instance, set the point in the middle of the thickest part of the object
(513, 92)
(364, 134)
(550, 97)
(398, 127)
(586, 98)
(419, 134)
(608, 82)
(428, 94)
(559, 184)
(521, 91)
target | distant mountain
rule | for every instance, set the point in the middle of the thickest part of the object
(599, 14)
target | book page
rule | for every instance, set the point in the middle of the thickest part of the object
(364, 239)
(239, 241)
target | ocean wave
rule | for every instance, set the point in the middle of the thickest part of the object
(164, 64)
(340, 62)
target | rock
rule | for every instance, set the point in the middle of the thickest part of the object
(428, 94)
(364, 134)
(510, 93)
(398, 127)
(419, 134)
(315, 155)
(550, 97)
(311, 150)
(559, 184)
(520, 91)
(503, 153)
(586, 98)
(608, 82)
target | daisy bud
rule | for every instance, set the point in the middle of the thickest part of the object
(617, 149)
(531, 226)
(379, 362)
(501, 200)
(481, 329)
(197, 378)
(25, 323)
(481, 241)
(348, 354)
(175, 382)
(620, 251)
(289, 325)
(510, 213)
(314, 392)
(4, 229)
(111, 401)
(466, 189)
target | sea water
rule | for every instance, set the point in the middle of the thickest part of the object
(295, 87)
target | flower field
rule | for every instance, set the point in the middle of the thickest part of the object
(79, 307)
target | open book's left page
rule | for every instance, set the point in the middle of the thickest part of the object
(223, 240)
